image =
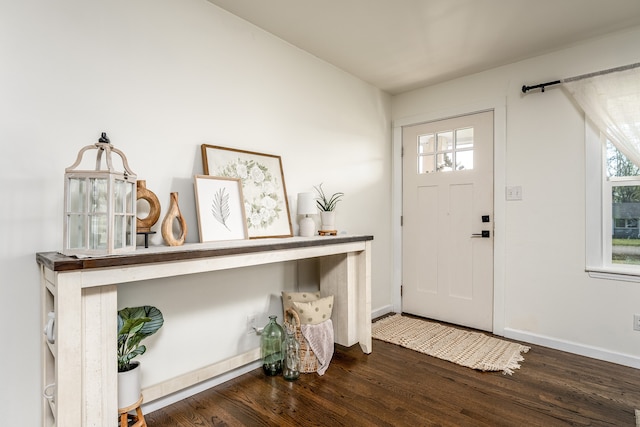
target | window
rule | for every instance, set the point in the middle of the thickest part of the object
(445, 151)
(613, 210)
(623, 188)
(611, 102)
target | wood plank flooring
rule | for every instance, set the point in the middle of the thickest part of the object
(394, 386)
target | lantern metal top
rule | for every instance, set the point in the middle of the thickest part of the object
(103, 146)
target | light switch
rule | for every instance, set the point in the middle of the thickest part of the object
(514, 192)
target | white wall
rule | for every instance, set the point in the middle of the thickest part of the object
(548, 297)
(162, 77)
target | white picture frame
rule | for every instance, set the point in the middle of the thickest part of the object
(220, 207)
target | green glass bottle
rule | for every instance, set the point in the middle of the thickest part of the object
(271, 347)
(291, 365)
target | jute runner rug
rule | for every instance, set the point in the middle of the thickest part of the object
(471, 349)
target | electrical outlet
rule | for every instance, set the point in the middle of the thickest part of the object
(636, 322)
(252, 323)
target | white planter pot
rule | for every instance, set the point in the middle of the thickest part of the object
(328, 220)
(129, 388)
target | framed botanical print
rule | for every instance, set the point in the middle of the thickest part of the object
(263, 188)
(220, 207)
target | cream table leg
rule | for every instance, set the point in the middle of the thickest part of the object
(337, 278)
(348, 278)
(68, 308)
(364, 298)
(100, 371)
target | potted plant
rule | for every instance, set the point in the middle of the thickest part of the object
(134, 325)
(327, 206)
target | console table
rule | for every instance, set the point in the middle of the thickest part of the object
(83, 294)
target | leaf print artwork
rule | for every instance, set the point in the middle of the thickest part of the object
(220, 207)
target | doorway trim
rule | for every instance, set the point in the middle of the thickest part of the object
(498, 105)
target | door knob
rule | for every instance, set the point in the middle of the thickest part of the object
(484, 234)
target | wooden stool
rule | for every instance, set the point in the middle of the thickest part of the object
(138, 419)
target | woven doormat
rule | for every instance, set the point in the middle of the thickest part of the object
(471, 349)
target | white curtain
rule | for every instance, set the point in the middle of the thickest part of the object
(612, 102)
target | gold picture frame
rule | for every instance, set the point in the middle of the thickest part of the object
(263, 187)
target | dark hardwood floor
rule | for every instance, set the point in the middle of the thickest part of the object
(394, 386)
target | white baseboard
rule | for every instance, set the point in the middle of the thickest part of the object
(381, 311)
(205, 385)
(575, 348)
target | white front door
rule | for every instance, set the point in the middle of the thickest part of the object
(447, 209)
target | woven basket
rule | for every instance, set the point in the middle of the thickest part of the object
(308, 359)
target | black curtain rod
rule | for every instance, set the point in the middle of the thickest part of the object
(526, 88)
(541, 86)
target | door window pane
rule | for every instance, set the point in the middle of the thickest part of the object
(445, 141)
(445, 162)
(464, 138)
(425, 164)
(464, 160)
(426, 144)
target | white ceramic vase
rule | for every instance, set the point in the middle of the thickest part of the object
(328, 219)
(307, 227)
(129, 388)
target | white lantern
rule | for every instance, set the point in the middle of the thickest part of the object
(99, 205)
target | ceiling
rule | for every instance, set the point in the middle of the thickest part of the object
(400, 45)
